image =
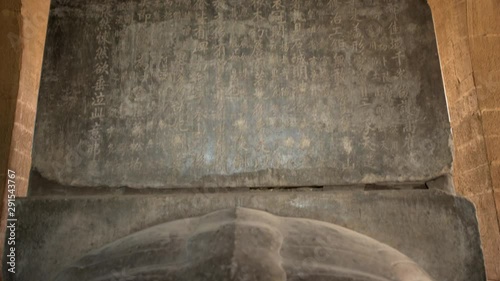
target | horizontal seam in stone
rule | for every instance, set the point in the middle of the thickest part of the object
(487, 192)
(495, 162)
(22, 152)
(475, 168)
(20, 125)
(491, 110)
(486, 35)
(468, 93)
(469, 142)
(26, 104)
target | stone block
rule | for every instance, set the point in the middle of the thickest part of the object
(468, 130)
(491, 122)
(493, 146)
(242, 98)
(495, 174)
(436, 230)
(490, 232)
(475, 181)
(471, 155)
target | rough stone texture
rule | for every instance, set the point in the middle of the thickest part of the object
(468, 42)
(245, 244)
(239, 93)
(437, 231)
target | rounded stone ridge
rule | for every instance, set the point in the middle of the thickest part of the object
(245, 244)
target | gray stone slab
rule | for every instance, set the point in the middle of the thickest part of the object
(436, 230)
(240, 93)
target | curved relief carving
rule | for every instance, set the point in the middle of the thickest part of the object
(245, 244)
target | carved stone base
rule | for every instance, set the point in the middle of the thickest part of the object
(376, 235)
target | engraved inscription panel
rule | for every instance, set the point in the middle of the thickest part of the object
(178, 93)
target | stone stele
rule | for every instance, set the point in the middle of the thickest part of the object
(226, 93)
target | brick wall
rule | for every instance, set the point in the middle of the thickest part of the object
(468, 34)
(10, 26)
(23, 30)
(10, 52)
(31, 41)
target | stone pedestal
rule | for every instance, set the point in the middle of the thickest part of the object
(437, 231)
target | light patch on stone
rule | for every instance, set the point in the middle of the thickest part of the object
(289, 142)
(347, 145)
(305, 143)
(240, 124)
(177, 140)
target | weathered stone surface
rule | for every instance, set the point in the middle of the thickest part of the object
(245, 244)
(240, 93)
(437, 231)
